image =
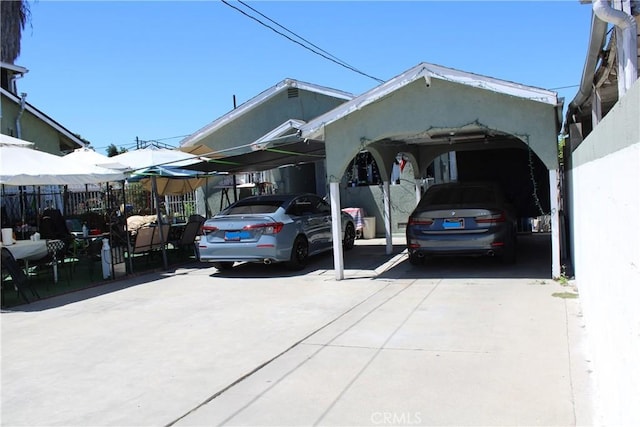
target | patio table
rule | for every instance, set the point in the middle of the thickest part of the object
(31, 250)
(28, 249)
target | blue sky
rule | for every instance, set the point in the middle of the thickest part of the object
(160, 70)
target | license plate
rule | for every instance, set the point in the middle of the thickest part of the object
(453, 224)
(236, 235)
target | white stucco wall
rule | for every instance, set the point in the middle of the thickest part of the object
(606, 242)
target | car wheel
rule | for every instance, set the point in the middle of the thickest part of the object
(299, 254)
(414, 259)
(223, 265)
(349, 237)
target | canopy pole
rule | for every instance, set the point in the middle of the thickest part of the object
(154, 187)
(126, 226)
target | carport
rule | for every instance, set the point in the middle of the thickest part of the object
(430, 110)
(423, 113)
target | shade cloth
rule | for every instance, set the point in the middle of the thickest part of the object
(258, 157)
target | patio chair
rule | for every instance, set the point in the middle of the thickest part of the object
(143, 240)
(56, 253)
(19, 281)
(189, 234)
(54, 226)
(160, 238)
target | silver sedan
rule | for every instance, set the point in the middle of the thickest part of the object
(272, 228)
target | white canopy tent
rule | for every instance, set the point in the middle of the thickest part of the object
(10, 140)
(20, 165)
(91, 157)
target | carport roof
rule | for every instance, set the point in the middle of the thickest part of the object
(279, 147)
(288, 150)
(296, 142)
(315, 128)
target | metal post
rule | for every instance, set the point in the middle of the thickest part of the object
(336, 229)
(154, 187)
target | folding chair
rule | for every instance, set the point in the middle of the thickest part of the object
(11, 268)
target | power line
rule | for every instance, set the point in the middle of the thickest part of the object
(291, 32)
(330, 58)
(563, 87)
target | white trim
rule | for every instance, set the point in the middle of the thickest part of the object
(278, 132)
(13, 67)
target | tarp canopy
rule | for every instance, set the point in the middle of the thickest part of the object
(21, 165)
(268, 155)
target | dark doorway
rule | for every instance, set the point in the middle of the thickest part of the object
(523, 176)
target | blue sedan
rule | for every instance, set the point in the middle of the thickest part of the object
(272, 228)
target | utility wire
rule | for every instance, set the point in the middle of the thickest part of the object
(291, 32)
(301, 44)
(563, 87)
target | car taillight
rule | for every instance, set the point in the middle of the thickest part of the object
(267, 228)
(206, 229)
(491, 218)
(420, 221)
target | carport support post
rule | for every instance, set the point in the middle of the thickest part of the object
(418, 190)
(336, 229)
(554, 196)
(386, 191)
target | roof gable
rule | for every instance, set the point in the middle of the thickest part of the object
(314, 128)
(258, 101)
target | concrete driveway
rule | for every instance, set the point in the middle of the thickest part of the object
(464, 342)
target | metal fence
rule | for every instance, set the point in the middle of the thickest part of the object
(21, 206)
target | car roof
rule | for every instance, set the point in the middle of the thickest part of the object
(276, 197)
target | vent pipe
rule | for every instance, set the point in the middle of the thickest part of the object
(627, 39)
(596, 43)
(23, 102)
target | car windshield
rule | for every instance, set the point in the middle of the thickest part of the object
(459, 195)
(254, 207)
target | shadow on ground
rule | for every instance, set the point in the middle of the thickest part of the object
(534, 261)
(369, 256)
